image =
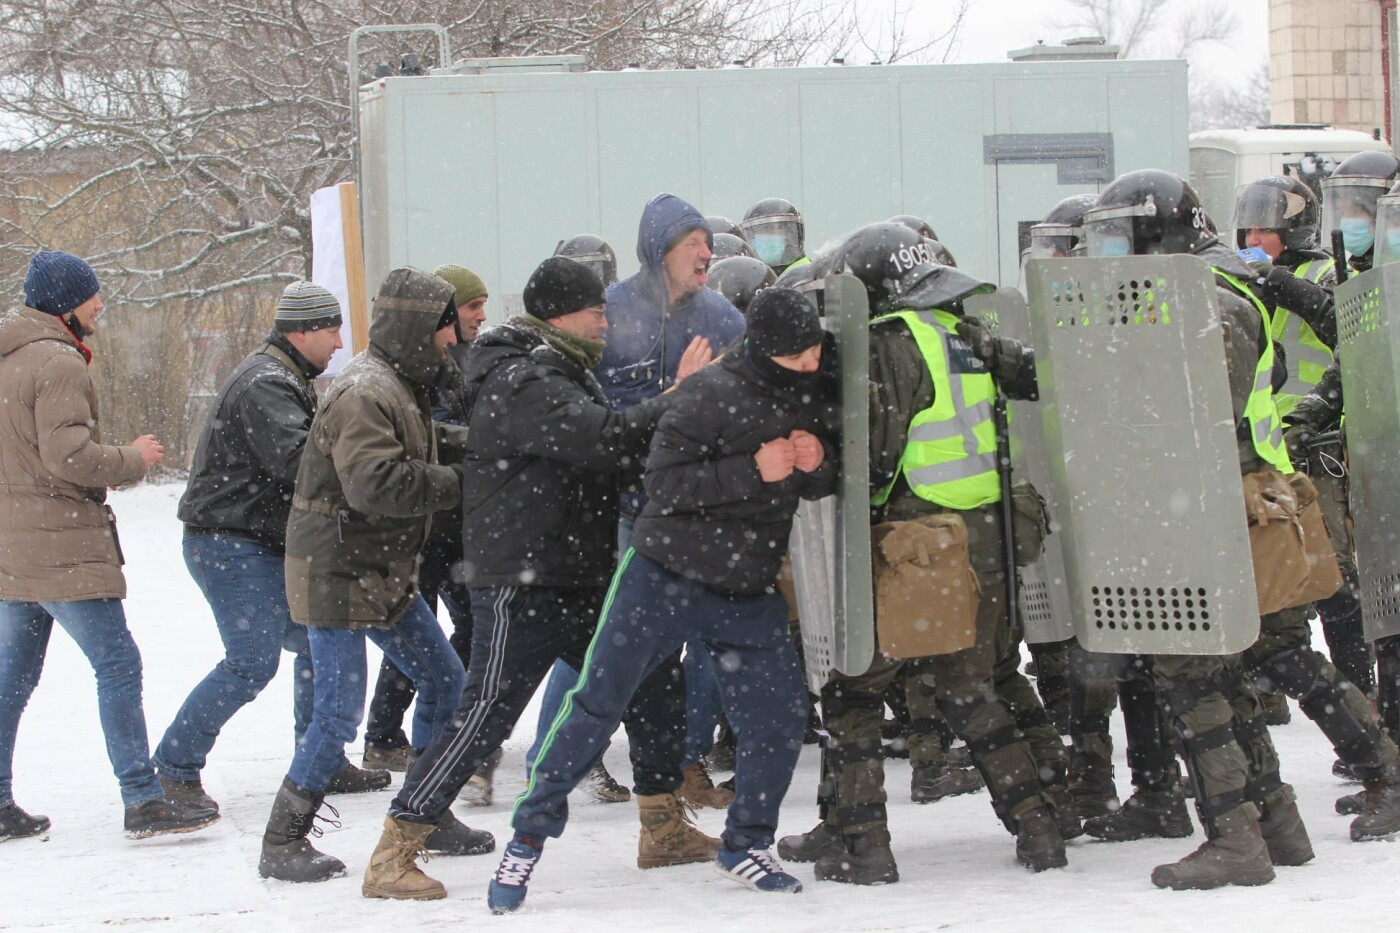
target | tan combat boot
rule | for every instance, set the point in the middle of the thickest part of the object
(393, 871)
(699, 791)
(668, 836)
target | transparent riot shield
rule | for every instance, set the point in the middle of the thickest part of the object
(1043, 594)
(1368, 328)
(830, 544)
(1144, 469)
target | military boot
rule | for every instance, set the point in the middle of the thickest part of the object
(931, 783)
(385, 757)
(668, 836)
(393, 870)
(601, 786)
(1285, 836)
(453, 837)
(1146, 813)
(1091, 785)
(1381, 817)
(1232, 858)
(811, 845)
(862, 858)
(480, 788)
(699, 791)
(1039, 844)
(1276, 711)
(1351, 804)
(286, 855)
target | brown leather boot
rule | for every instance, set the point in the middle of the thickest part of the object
(699, 791)
(1232, 858)
(393, 871)
(668, 836)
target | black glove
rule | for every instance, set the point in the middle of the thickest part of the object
(1296, 439)
(980, 339)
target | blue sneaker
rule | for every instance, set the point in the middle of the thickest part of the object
(507, 890)
(756, 869)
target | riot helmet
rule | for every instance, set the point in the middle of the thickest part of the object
(898, 270)
(1147, 212)
(727, 244)
(1062, 230)
(593, 252)
(739, 278)
(1388, 226)
(719, 224)
(920, 226)
(1349, 198)
(774, 229)
(1279, 203)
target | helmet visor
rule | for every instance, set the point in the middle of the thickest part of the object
(1349, 205)
(1387, 229)
(1110, 234)
(1049, 241)
(1265, 207)
(776, 240)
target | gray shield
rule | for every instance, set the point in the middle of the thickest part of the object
(1144, 469)
(1368, 328)
(830, 544)
(1043, 593)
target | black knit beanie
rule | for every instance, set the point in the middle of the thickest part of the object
(781, 323)
(560, 286)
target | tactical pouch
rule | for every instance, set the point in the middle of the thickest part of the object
(1324, 574)
(926, 592)
(1275, 540)
(1031, 523)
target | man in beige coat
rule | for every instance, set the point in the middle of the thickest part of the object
(59, 556)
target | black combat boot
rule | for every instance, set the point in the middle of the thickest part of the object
(286, 855)
(1351, 804)
(863, 858)
(811, 845)
(1039, 844)
(453, 837)
(1091, 785)
(1233, 858)
(1285, 836)
(16, 824)
(1146, 813)
(931, 783)
(353, 780)
(1381, 817)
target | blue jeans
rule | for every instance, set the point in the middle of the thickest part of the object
(650, 612)
(245, 584)
(416, 645)
(99, 628)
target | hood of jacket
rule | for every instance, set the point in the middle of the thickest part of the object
(498, 344)
(406, 311)
(664, 219)
(22, 326)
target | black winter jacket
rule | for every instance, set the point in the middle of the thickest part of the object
(245, 463)
(544, 459)
(709, 515)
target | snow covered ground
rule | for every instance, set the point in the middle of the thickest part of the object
(955, 860)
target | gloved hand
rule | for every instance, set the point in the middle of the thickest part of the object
(979, 337)
(1296, 439)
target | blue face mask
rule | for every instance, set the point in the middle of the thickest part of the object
(1392, 242)
(769, 247)
(1114, 246)
(1357, 235)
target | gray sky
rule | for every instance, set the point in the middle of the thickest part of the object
(992, 27)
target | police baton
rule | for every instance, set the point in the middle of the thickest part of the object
(1008, 510)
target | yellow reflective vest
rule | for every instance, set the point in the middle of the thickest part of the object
(1265, 425)
(1308, 356)
(950, 455)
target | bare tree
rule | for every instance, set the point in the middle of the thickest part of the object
(1146, 28)
(1215, 105)
(176, 143)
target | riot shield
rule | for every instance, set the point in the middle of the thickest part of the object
(1368, 328)
(830, 544)
(1144, 468)
(1043, 595)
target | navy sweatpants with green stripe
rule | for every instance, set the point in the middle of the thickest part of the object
(517, 633)
(649, 613)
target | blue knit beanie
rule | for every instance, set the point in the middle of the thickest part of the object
(58, 282)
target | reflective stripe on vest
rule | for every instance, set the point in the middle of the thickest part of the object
(950, 456)
(1307, 356)
(1265, 427)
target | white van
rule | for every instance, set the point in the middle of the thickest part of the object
(1222, 160)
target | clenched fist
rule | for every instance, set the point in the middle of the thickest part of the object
(776, 459)
(808, 450)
